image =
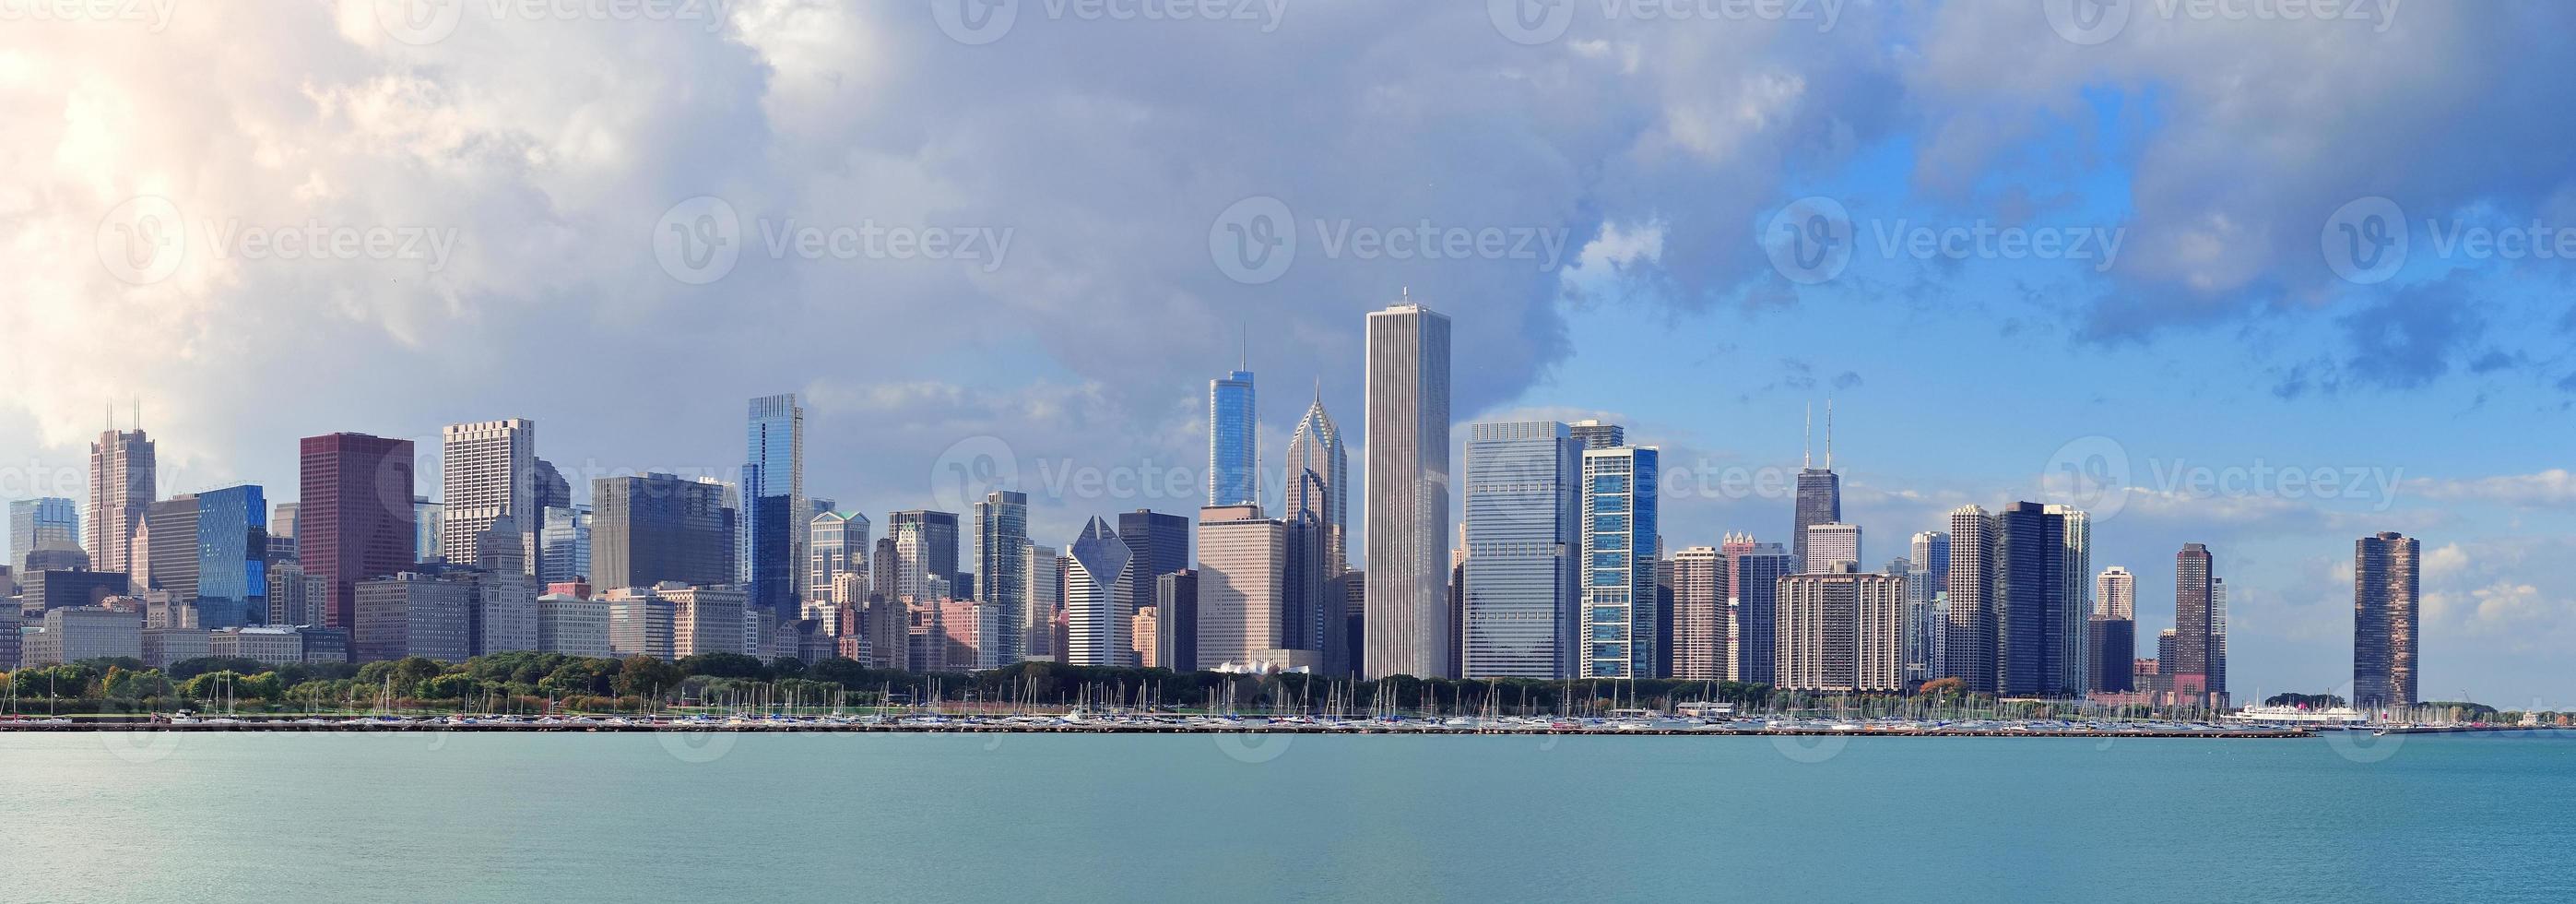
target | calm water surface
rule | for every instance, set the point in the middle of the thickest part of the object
(290, 819)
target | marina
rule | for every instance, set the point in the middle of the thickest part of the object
(1170, 724)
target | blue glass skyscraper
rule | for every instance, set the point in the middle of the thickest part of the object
(232, 557)
(773, 505)
(1234, 443)
(1619, 523)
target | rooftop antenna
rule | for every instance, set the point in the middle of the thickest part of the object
(1829, 434)
(1807, 457)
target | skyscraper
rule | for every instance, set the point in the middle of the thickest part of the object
(1521, 551)
(659, 527)
(354, 517)
(232, 557)
(1234, 441)
(1595, 434)
(774, 516)
(167, 545)
(48, 524)
(563, 545)
(2075, 670)
(925, 548)
(2218, 637)
(2386, 602)
(1830, 543)
(1407, 612)
(1619, 519)
(1096, 598)
(1968, 647)
(1700, 615)
(1001, 579)
(487, 471)
(1041, 596)
(1157, 544)
(1753, 573)
(2114, 631)
(837, 544)
(2189, 666)
(1820, 492)
(1316, 448)
(122, 481)
(1243, 607)
(1841, 631)
(2032, 603)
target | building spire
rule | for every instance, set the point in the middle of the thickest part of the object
(1807, 447)
(1829, 434)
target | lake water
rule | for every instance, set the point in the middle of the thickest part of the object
(209, 819)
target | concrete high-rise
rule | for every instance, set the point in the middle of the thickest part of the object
(1234, 442)
(1596, 434)
(1830, 544)
(1407, 501)
(1841, 631)
(1701, 622)
(658, 527)
(1521, 545)
(2189, 667)
(1968, 646)
(122, 484)
(2386, 607)
(1243, 608)
(1618, 619)
(1001, 580)
(1820, 491)
(354, 514)
(1041, 598)
(774, 514)
(1096, 598)
(487, 472)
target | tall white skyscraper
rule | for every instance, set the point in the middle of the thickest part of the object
(1968, 647)
(1096, 599)
(487, 472)
(1407, 596)
(2074, 622)
(1521, 551)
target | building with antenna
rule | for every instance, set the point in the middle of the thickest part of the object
(1820, 490)
(1234, 440)
(123, 469)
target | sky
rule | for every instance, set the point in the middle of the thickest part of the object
(2240, 273)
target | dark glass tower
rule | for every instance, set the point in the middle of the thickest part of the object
(2032, 602)
(2385, 606)
(1159, 544)
(1820, 496)
(773, 505)
(2189, 668)
(232, 557)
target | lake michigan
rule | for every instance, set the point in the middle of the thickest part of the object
(297, 818)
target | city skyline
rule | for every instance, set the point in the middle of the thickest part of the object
(1664, 312)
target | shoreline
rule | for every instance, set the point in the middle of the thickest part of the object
(755, 726)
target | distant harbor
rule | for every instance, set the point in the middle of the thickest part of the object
(1116, 723)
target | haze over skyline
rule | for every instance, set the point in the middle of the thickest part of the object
(527, 172)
